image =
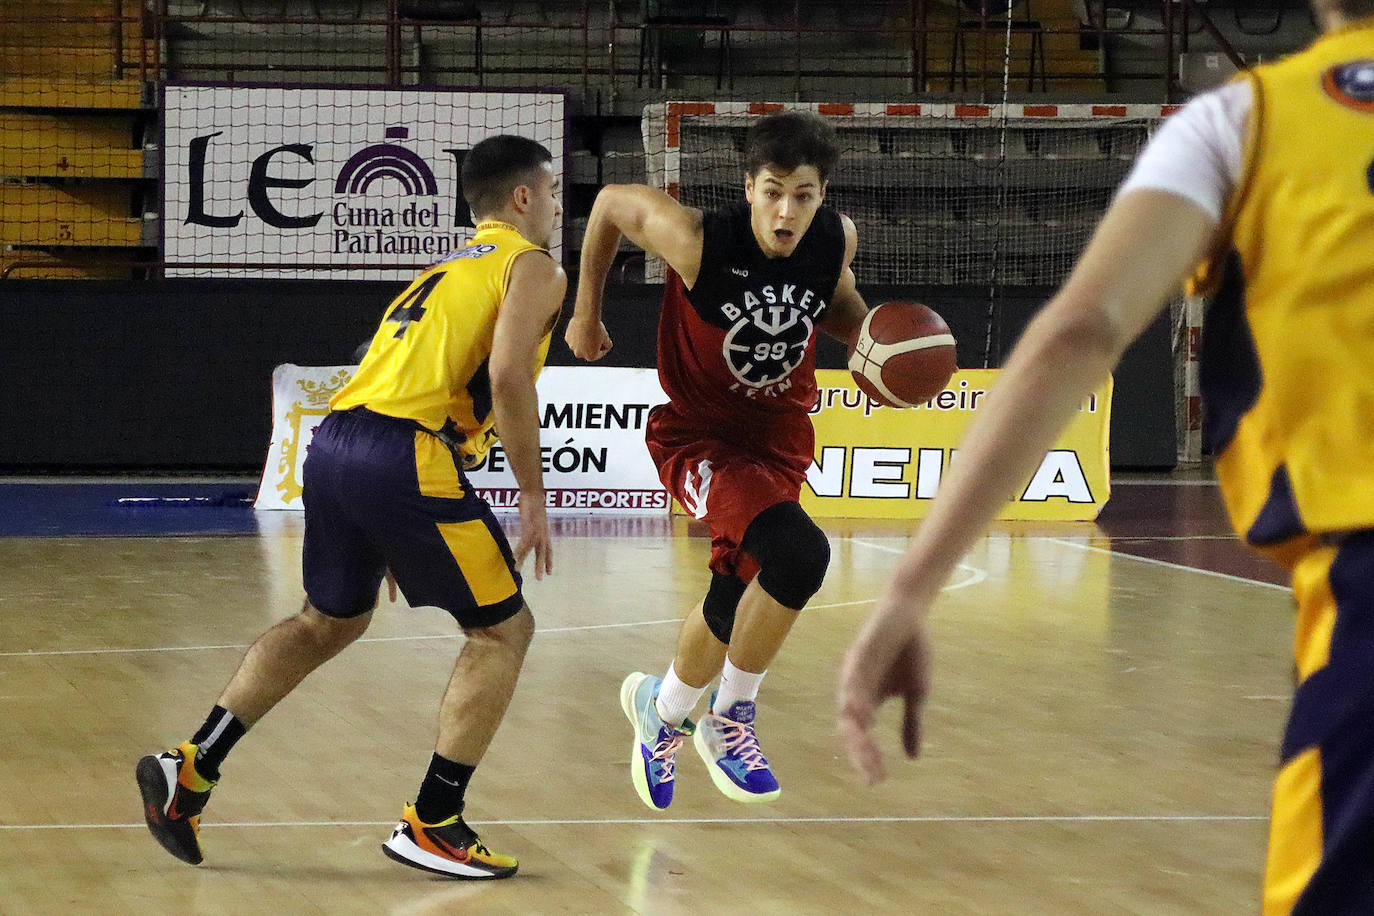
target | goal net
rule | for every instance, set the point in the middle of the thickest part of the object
(992, 199)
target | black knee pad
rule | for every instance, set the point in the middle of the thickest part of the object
(719, 607)
(791, 551)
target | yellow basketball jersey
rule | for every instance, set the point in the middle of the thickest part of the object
(428, 360)
(1288, 343)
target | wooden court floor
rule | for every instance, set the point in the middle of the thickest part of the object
(1101, 736)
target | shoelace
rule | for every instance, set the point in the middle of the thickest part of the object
(741, 741)
(665, 752)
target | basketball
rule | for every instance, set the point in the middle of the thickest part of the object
(904, 354)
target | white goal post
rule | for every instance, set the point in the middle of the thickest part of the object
(981, 197)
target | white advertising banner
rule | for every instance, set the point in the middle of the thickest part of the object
(343, 178)
(592, 420)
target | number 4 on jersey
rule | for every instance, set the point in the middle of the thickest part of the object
(410, 307)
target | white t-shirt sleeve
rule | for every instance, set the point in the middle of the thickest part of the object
(1199, 152)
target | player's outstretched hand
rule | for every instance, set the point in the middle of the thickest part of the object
(534, 537)
(587, 339)
(890, 657)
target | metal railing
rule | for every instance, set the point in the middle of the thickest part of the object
(591, 47)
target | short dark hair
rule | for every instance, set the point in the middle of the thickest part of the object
(1356, 8)
(791, 139)
(497, 165)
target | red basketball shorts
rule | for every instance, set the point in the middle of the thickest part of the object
(727, 480)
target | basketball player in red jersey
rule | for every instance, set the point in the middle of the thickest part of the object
(748, 287)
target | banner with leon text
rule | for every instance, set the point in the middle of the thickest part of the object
(870, 461)
(592, 439)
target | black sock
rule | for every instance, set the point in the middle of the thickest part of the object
(441, 794)
(215, 739)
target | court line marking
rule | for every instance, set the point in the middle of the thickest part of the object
(613, 821)
(538, 630)
(1011, 536)
(978, 575)
(872, 546)
(1173, 537)
(1111, 553)
(1152, 561)
(125, 651)
(821, 607)
(40, 653)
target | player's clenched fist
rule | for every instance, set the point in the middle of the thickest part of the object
(588, 339)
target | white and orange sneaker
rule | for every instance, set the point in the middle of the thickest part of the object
(450, 848)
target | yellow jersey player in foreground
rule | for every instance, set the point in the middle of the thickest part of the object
(1270, 180)
(456, 356)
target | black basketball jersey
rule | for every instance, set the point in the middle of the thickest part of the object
(742, 340)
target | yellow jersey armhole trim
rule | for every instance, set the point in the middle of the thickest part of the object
(510, 266)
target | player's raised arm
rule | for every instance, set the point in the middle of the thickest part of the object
(847, 307)
(533, 298)
(1145, 244)
(653, 221)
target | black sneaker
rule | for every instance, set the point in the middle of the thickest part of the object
(174, 794)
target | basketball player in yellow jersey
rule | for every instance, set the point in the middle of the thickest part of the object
(1271, 179)
(455, 358)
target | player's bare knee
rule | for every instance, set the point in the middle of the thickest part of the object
(513, 634)
(522, 627)
(792, 552)
(332, 635)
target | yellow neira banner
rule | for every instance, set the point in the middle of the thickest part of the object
(882, 462)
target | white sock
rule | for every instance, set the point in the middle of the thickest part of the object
(676, 699)
(735, 684)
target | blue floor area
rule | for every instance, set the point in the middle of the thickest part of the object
(126, 509)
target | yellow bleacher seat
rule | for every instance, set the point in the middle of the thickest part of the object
(82, 215)
(47, 145)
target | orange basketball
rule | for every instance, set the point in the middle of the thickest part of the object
(904, 354)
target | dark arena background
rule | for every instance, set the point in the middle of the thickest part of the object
(195, 192)
(971, 205)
